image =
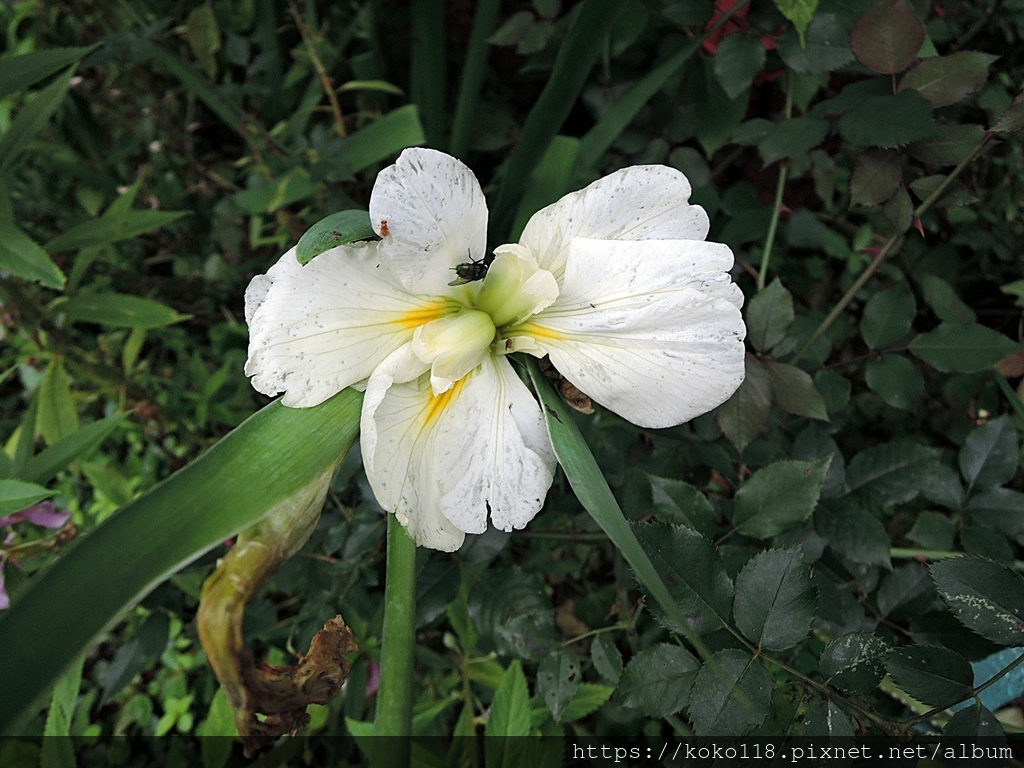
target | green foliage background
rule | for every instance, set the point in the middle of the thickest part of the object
(850, 521)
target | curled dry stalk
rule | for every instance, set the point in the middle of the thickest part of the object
(268, 700)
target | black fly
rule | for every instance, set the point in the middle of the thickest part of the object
(472, 270)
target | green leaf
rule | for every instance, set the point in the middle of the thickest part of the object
(591, 488)
(827, 720)
(510, 711)
(733, 703)
(558, 679)
(769, 316)
(680, 503)
(932, 675)
(888, 121)
(962, 347)
(945, 80)
(955, 195)
(775, 599)
(588, 699)
(59, 752)
(474, 69)
(792, 138)
(854, 533)
(984, 596)
(203, 35)
(738, 59)
(607, 659)
(779, 497)
(16, 495)
(893, 473)
(384, 138)
(271, 195)
(120, 311)
(1012, 120)
(795, 392)
(111, 228)
(973, 724)
(824, 48)
(888, 316)
(800, 12)
(19, 72)
(896, 380)
(339, 228)
(952, 144)
(693, 573)
(272, 457)
(990, 455)
(944, 301)
(933, 530)
(549, 180)
(32, 118)
(22, 257)
(58, 417)
(657, 680)
(853, 662)
(899, 210)
(745, 415)
(876, 177)
(999, 509)
(887, 37)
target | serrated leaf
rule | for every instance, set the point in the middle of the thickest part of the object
(1000, 509)
(945, 80)
(932, 675)
(778, 497)
(888, 474)
(944, 301)
(203, 35)
(738, 59)
(1012, 120)
(588, 699)
(16, 495)
(769, 316)
(888, 316)
(775, 599)
(876, 177)
(510, 710)
(896, 380)
(58, 417)
(827, 720)
(973, 724)
(656, 682)
(731, 695)
(888, 121)
(899, 210)
(984, 596)
(933, 530)
(954, 195)
(120, 310)
(853, 532)
(853, 662)
(990, 455)
(800, 12)
(331, 231)
(824, 47)
(745, 415)
(951, 145)
(962, 347)
(558, 679)
(22, 257)
(690, 567)
(795, 392)
(680, 503)
(887, 37)
(722, 115)
(607, 658)
(792, 138)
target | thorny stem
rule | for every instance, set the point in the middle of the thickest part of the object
(780, 188)
(887, 249)
(321, 71)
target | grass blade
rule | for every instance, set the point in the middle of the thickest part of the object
(473, 71)
(427, 80)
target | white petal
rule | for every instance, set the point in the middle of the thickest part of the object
(651, 330)
(642, 202)
(435, 216)
(492, 453)
(398, 452)
(441, 463)
(318, 328)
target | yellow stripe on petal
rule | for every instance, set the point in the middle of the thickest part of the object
(423, 315)
(437, 403)
(535, 331)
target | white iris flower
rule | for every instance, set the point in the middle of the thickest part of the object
(615, 283)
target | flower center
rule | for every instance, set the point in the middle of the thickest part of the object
(515, 287)
(453, 346)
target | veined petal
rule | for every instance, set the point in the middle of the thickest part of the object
(453, 346)
(430, 211)
(642, 202)
(318, 328)
(651, 330)
(442, 463)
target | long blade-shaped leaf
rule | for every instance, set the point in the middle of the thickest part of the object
(427, 81)
(269, 457)
(474, 68)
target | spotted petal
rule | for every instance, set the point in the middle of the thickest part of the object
(651, 330)
(643, 202)
(430, 211)
(318, 328)
(443, 463)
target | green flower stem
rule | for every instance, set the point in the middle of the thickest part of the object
(888, 248)
(903, 553)
(394, 699)
(780, 188)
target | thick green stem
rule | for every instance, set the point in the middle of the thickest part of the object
(394, 699)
